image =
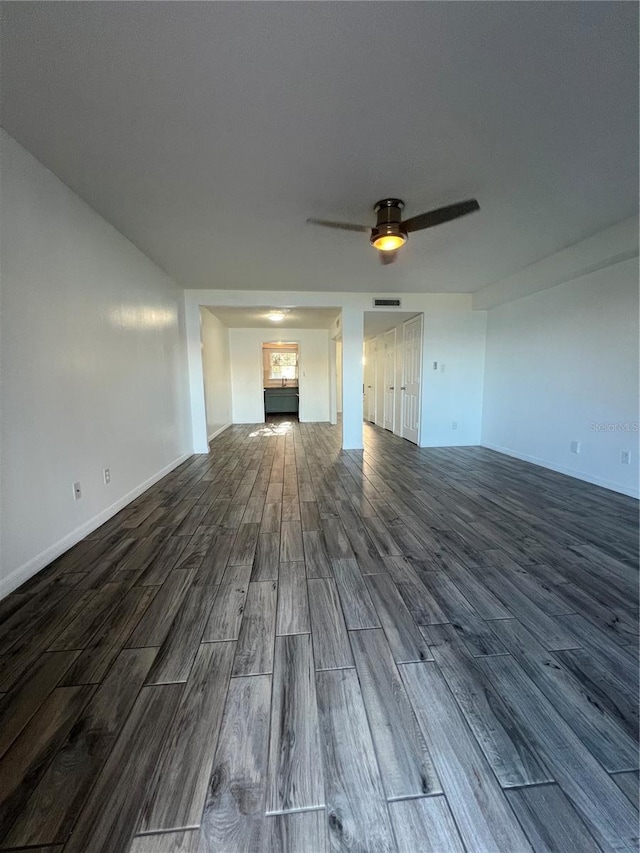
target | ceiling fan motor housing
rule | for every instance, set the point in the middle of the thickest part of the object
(389, 223)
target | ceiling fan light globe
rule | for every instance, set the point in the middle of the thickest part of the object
(388, 242)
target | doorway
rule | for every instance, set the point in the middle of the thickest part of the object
(392, 372)
(280, 372)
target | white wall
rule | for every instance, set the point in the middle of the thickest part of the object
(455, 339)
(93, 368)
(216, 369)
(245, 347)
(560, 361)
(339, 376)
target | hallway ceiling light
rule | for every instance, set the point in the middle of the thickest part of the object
(277, 316)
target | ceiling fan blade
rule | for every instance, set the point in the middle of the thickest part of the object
(344, 226)
(440, 215)
(387, 257)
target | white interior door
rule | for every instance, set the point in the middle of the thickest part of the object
(380, 381)
(389, 378)
(367, 390)
(411, 379)
(372, 361)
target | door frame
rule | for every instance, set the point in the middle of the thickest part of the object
(394, 378)
(420, 384)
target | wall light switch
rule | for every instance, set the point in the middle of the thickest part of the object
(625, 457)
(107, 476)
(454, 425)
(435, 365)
(575, 447)
(441, 368)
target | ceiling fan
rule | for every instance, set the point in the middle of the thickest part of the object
(390, 233)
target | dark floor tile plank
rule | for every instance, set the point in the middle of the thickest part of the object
(405, 640)
(357, 606)
(405, 765)
(178, 651)
(178, 789)
(477, 802)
(254, 652)
(291, 548)
(293, 605)
(25, 762)
(195, 550)
(233, 815)
(425, 824)
(550, 820)
(609, 816)
(53, 807)
(616, 697)
(296, 832)
(185, 841)
(79, 632)
(18, 706)
(27, 618)
(381, 537)
(485, 603)
(577, 701)
(316, 555)
(105, 645)
(338, 546)
(109, 817)
(254, 510)
(356, 807)
(45, 627)
(506, 747)
(267, 558)
(473, 630)
(547, 630)
(159, 556)
(225, 617)
(271, 517)
(215, 560)
(244, 546)
(290, 507)
(628, 783)
(330, 640)
(156, 621)
(295, 774)
(309, 515)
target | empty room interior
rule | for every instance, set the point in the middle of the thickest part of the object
(319, 427)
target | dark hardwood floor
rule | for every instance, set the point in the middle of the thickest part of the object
(286, 647)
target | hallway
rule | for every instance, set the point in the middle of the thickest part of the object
(282, 646)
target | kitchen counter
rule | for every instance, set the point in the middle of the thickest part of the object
(281, 400)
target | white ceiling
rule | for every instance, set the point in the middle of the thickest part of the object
(208, 132)
(256, 318)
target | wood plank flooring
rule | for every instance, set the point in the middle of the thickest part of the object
(284, 647)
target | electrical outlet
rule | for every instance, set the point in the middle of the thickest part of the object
(441, 368)
(575, 447)
(107, 476)
(454, 425)
(625, 457)
(77, 491)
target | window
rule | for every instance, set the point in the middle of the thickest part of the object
(283, 365)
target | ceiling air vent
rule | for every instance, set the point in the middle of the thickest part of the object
(387, 303)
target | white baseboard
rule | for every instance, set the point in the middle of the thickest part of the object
(217, 432)
(577, 475)
(29, 569)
